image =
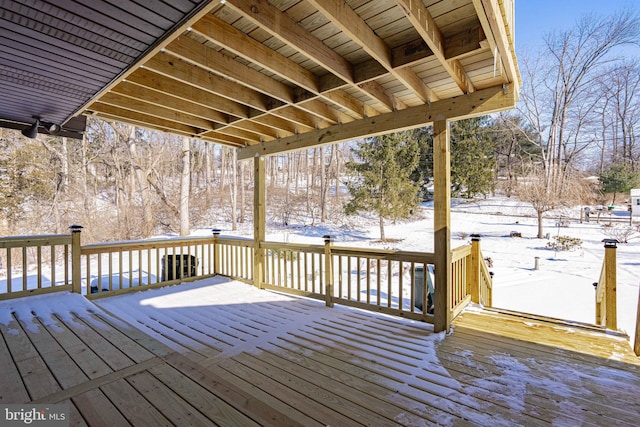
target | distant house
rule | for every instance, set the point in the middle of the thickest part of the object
(635, 202)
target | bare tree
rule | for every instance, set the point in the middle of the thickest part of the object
(559, 96)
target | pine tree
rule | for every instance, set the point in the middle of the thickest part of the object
(472, 158)
(382, 168)
(618, 178)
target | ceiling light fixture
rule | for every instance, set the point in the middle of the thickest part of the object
(32, 131)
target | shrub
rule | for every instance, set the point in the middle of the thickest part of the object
(565, 243)
(622, 233)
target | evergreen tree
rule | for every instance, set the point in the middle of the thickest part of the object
(424, 172)
(472, 157)
(382, 168)
(618, 178)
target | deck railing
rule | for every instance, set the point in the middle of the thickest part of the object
(606, 297)
(234, 258)
(31, 265)
(381, 280)
(390, 281)
(119, 267)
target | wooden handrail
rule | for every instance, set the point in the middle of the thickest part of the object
(636, 342)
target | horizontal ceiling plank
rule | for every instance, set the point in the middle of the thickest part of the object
(474, 104)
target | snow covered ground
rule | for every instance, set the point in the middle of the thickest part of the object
(562, 287)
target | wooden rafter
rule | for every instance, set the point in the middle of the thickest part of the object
(280, 25)
(232, 39)
(426, 26)
(268, 76)
(477, 103)
(491, 13)
(350, 23)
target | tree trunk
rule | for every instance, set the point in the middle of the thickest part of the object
(382, 237)
(233, 187)
(185, 181)
(540, 231)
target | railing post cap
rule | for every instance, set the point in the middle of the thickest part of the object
(216, 232)
(327, 238)
(610, 243)
(475, 237)
(75, 227)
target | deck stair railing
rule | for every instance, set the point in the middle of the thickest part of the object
(606, 296)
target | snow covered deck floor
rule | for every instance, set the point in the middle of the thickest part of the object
(223, 353)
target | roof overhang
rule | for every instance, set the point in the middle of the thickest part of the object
(269, 76)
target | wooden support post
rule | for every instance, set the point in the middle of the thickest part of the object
(636, 342)
(216, 251)
(610, 246)
(328, 271)
(259, 189)
(474, 277)
(442, 225)
(76, 268)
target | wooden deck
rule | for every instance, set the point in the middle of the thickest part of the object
(223, 353)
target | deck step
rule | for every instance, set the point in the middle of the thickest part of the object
(556, 334)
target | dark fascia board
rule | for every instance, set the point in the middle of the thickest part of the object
(74, 128)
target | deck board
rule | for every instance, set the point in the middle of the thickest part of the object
(133, 406)
(243, 357)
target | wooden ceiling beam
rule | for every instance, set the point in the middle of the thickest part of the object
(202, 87)
(465, 43)
(376, 91)
(142, 120)
(491, 12)
(237, 42)
(426, 26)
(350, 23)
(221, 33)
(190, 74)
(162, 99)
(211, 60)
(285, 28)
(150, 79)
(152, 110)
(141, 93)
(477, 103)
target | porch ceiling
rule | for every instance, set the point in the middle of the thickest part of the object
(264, 76)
